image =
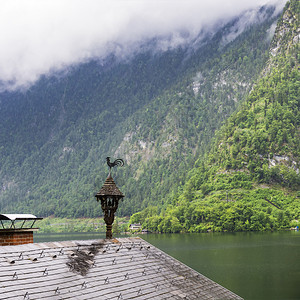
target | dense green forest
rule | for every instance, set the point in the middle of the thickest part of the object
(156, 110)
(162, 112)
(250, 178)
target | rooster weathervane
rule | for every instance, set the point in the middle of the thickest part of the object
(117, 163)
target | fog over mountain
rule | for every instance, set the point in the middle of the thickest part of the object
(41, 37)
(152, 83)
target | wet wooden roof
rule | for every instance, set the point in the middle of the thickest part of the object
(126, 268)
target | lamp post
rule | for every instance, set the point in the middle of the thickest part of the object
(109, 196)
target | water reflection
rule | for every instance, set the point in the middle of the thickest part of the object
(253, 265)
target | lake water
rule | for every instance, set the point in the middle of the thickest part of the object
(253, 265)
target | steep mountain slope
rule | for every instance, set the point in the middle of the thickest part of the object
(157, 110)
(250, 179)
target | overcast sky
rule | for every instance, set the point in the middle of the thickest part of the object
(41, 36)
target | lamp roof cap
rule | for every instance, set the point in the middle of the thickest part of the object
(109, 188)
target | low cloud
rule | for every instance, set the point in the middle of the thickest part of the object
(39, 37)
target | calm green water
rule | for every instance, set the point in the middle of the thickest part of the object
(52, 237)
(253, 265)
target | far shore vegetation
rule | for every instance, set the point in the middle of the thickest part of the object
(63, 225)
(166, 225)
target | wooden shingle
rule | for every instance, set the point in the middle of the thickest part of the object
(125, 268)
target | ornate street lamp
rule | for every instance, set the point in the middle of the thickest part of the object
(109, 195)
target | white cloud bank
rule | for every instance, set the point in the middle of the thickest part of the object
(40, 36)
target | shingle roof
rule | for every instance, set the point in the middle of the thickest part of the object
(109, 188)
(125, 268)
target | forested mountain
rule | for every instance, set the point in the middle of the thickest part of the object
(158, 110)
(250, 178)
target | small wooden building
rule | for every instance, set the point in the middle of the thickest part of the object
(135, 226)
(125, 268)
